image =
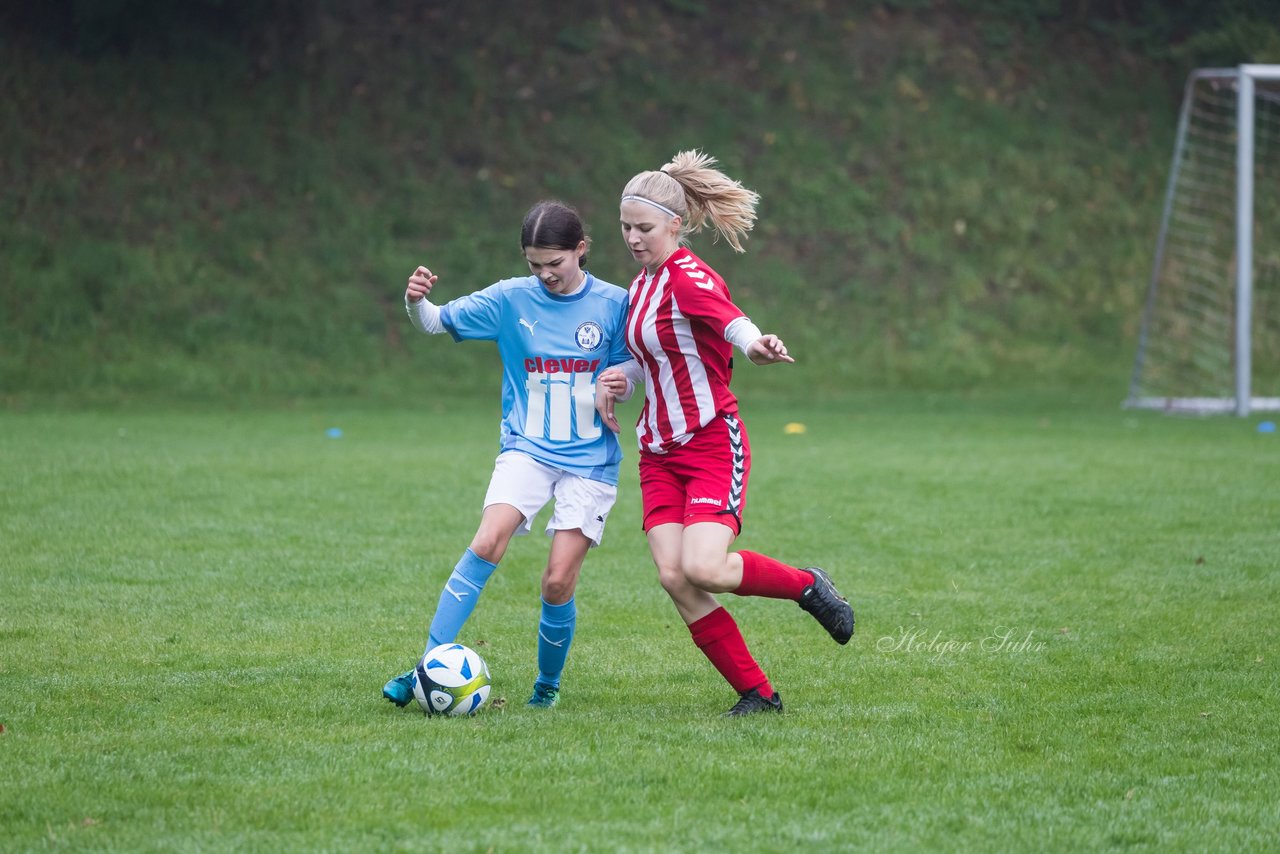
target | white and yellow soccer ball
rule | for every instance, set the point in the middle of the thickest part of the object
(451, 680)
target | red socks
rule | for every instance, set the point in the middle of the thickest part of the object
(764, 576)
(718, 637)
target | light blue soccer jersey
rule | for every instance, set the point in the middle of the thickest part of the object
(552, 348)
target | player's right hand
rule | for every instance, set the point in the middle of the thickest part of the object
(420, 284)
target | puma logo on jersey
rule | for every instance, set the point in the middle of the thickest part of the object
(527, 325)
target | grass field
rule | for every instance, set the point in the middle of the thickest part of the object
(1067, 639)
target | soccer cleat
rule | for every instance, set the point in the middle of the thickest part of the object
(400, 689)
(750, 702)
(829, 608)
(544, 696)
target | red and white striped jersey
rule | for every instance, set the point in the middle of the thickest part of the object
(675, 329)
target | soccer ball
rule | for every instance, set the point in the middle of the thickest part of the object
(451, 680)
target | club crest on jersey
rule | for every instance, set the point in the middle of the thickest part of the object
(589, 336)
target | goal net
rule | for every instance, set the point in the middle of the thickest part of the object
(1211, 326)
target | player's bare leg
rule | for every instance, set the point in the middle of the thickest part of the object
(711, 626)
(498, 524)
(706, 560)
(709, 565)
(666, 544)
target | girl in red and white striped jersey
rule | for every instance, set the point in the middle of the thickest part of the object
(695, 457)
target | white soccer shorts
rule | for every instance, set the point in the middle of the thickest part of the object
(527, 485)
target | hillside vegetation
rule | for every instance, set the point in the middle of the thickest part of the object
(948, 200)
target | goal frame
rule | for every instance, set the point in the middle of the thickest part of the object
(1243, 402)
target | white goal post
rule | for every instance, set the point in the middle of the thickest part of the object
(1213, 300)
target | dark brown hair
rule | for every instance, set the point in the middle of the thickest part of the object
(553, 225)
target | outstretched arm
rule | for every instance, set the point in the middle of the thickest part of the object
(424, 314)
(768, 350)
(761, 349)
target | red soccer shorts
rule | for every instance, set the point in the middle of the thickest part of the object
(703, 480)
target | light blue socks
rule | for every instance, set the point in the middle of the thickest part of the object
(555, 634)
(458, 599)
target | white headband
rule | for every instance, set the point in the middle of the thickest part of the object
(666, 210)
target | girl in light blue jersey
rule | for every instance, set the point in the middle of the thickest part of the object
(556, 330)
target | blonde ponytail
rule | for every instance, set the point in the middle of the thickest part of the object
(690, 186)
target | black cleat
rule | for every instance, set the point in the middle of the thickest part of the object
(829, 608)
(750, 702)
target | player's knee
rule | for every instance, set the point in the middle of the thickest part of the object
(672, 580)
(488, 546)
(706, 573)
(557, 586)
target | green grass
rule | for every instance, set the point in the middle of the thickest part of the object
(199, 610)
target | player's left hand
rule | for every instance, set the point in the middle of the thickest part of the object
(768, 350)
(606, 398)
